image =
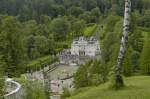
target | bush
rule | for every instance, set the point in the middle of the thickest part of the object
(96, 79)
(66, 93)
(32, 89)
(116, 82)
(92, 73)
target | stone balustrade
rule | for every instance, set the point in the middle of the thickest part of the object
(14, 90)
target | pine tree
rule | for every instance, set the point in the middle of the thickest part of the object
(81, 77)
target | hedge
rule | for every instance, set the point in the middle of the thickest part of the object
(41, 62)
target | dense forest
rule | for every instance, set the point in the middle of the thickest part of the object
(31, 29)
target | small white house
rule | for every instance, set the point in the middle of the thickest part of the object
(85, 46)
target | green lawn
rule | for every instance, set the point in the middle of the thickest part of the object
(90, 30)
(137, 87)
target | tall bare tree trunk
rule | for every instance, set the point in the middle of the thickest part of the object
(123, 45)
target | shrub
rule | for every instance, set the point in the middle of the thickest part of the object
(92, 73)
(33, 89)
(66, 93)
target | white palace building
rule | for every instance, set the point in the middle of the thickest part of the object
(83, 46)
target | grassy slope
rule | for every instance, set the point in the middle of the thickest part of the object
(137, 87)
(90, 30)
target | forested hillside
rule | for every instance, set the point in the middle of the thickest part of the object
(32, 29)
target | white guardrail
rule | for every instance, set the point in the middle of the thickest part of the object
(16, 92)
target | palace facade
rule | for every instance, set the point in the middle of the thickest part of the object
(85, 46)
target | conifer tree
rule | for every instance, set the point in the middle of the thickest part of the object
(145, 57)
